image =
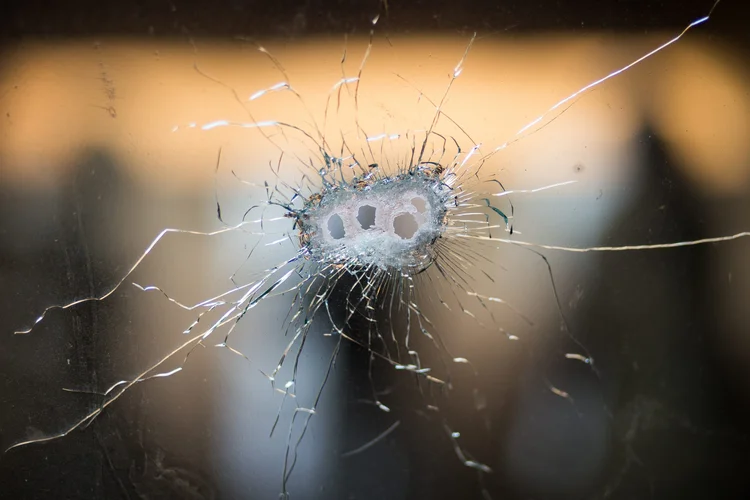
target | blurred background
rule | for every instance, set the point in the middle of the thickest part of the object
(97, 155)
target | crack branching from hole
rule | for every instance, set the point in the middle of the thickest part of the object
(406, 215)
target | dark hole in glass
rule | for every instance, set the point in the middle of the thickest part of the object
(366, 216)
(405, 225)
(419, 204)
(336, 227)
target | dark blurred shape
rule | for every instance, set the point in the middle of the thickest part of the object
(70, 238)
(678, 429)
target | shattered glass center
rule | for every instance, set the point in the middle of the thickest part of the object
(391, 223)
